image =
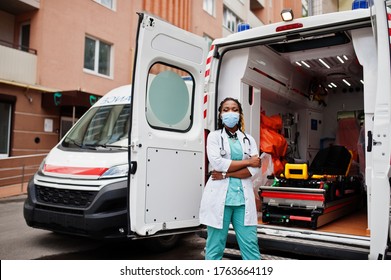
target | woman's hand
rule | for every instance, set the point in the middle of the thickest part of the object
(216, 175)
(240, 171)
(254, 161)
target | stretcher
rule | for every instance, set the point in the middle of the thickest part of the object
(313, 196)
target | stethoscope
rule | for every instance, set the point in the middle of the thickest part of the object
(223, 152)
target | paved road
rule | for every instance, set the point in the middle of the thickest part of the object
(20, 242)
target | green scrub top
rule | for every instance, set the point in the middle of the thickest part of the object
(235, 196)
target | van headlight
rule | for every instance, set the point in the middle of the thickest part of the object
(116, 171)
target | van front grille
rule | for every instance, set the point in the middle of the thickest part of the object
(65, 197)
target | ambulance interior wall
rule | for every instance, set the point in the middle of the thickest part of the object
(336, 103)
(254, 66)
(271, 73)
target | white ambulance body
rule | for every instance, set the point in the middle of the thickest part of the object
(80, 187)
(277, 69)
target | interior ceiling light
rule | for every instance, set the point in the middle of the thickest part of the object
(334, 85)
(346, 82)
(362, 81)
(306, 64)
(324, 63)
(287, 14)
(340, 59)
(345, 57)
(298, 63)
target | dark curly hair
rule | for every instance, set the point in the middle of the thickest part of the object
(241, 118)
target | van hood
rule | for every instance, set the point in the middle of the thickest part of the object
(82, 164)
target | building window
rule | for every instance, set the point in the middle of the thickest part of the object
(170, 96)
(230, 20)
(107, 3)
(24, 38)
(209, 7)
(209, 40)
(5, 128)
(304, 5)
(97, 56)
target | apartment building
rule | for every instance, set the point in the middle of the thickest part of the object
(317, 7)
(269, 11)
(57, 57)
(56, 60)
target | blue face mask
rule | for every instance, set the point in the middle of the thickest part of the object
(230, 119)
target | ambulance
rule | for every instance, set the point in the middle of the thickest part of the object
(134, 166)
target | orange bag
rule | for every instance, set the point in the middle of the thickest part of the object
(278, 166)
(273, 122)
(272, 142)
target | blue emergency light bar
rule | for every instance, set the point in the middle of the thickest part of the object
(359, 4)
(243, 26)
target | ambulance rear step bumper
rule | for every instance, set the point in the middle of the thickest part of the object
(304, 248)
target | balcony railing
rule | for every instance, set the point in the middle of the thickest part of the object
(18, 47)
(18, 63)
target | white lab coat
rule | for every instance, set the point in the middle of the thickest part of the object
(213, 198)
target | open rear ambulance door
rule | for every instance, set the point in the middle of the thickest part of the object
(166, 140)
(379, 142)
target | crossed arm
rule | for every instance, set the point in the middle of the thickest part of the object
(238, 169)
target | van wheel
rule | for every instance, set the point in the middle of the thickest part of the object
(162, 243)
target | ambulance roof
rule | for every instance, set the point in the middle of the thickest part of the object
(306, 22)
(119, 95)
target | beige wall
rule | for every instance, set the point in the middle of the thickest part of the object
(238, 7)
(329, 6)
(345, 5)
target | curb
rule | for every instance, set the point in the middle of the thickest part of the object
(13, 190)
(16, 198)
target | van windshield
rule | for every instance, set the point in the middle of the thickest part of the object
(100, 127)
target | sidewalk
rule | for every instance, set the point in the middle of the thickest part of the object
(13, 190)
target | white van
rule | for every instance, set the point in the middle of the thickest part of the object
(80, 186)
(312, 71)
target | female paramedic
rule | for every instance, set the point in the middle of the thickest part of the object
(228, 196)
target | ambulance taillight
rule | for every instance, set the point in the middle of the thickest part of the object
(287, 16)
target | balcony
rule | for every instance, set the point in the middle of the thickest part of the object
(16, 7)
(18, 64)
(257, 4)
